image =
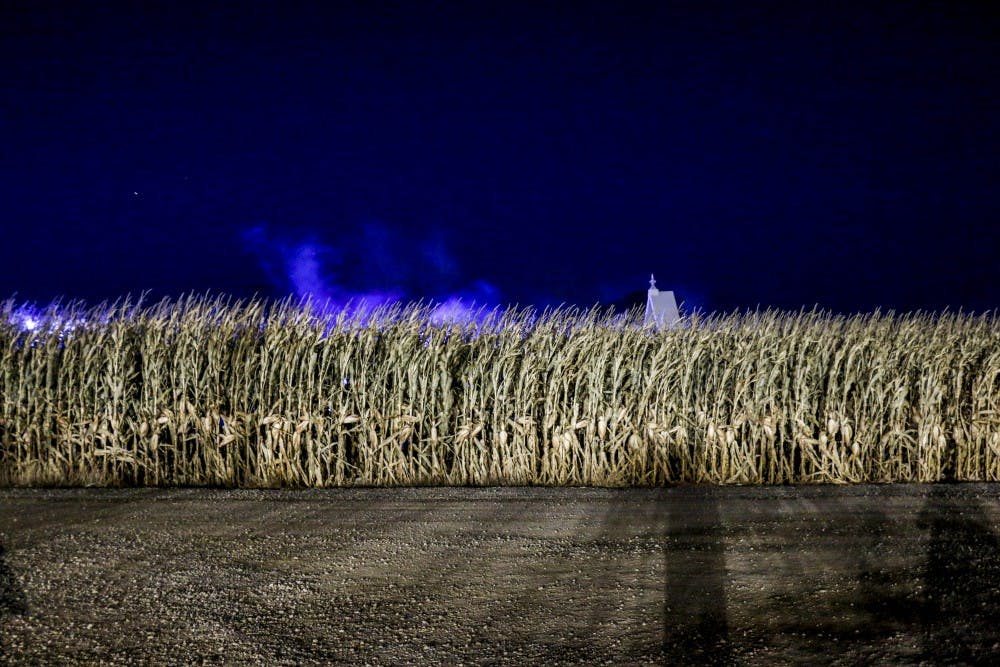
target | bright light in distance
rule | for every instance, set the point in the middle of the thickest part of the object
(31, 319)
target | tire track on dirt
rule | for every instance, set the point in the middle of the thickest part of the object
(478, 593)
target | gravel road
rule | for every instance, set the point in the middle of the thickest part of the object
(686, 575)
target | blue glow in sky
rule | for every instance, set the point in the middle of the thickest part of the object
(773, 154)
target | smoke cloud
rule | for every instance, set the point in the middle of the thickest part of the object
(371, 267)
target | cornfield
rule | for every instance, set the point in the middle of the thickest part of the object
(211, 391)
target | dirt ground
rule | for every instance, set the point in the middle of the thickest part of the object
(685, 575)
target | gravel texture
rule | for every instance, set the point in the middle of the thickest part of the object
(684, 575)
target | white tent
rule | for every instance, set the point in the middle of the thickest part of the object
(661, 307)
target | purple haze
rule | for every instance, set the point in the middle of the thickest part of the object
(373, 267)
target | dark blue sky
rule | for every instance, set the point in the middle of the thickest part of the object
(775, 154)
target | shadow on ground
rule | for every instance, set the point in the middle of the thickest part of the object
(695, 621)
(962, 580)
(948, 603)
(818, 575)
(12, 599)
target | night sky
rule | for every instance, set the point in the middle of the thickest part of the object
(780, 155)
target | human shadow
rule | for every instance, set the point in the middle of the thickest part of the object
(12, 600)
(884, 592)
(695, 621)
(961, 580)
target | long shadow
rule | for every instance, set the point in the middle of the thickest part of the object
(961, 579)
(695, 621)
(882, 591)
(12, 599)
(629, 515)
